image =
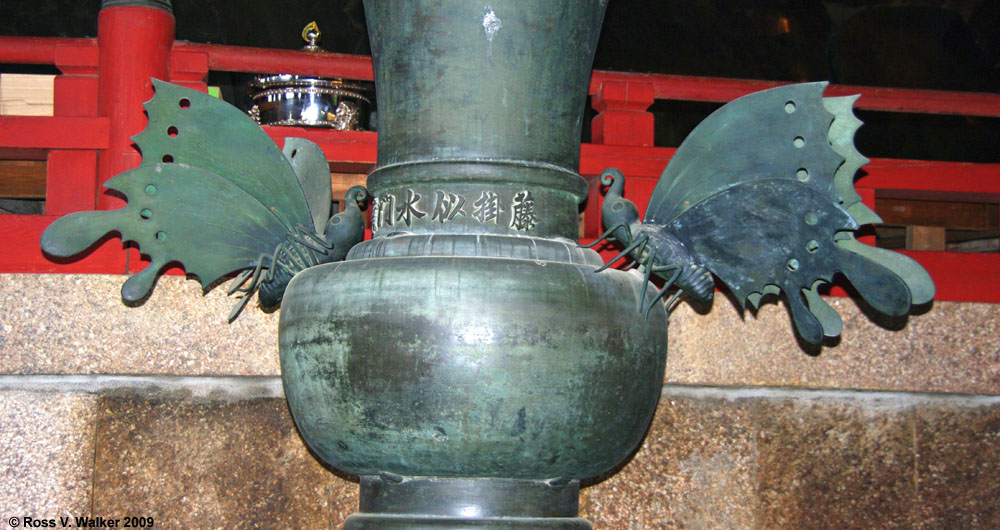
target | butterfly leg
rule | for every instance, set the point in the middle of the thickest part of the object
(238, 281)
(252, 274)
(638, 254)
(672, 300)
(296, 259)
(634, 245)
(306, 238)
(238, 308)
(606, 235)
(248, 290)
(648, 267)
(670, 282)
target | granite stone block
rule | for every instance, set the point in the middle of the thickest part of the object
(696, 469)
(77, 324)
(832, 464)
(46, 454)
(952, 347)
(957, 473)
(713, 458)
(213, 463)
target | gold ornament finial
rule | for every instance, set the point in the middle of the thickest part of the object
(311, 35)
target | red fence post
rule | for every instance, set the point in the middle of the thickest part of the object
(622, 118)
(134, 44)
(71, 181)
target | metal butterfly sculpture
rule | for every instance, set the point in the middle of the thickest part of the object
(215, 194)
(761, 194)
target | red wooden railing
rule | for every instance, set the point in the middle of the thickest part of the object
(78, 140)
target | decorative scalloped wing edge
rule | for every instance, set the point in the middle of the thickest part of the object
(197, 129)
(842, 132)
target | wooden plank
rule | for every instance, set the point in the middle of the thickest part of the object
(22, 179)
(988, 244)
(925, 238)
(26, 94)
(948, 214)
(341, 182)
(20, 153)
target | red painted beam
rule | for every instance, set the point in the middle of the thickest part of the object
(720, 89)
(633, 161)
(962, 276)
(920, 179)
(691, 88)
(272, 61)
(944, 180)
(54, 132)
(350, 150)
(35, 50)
(24, 254)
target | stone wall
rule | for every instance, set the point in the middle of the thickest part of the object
(163, 410)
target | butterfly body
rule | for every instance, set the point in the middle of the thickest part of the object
(305, 249)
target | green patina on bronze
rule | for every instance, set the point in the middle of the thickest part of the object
(478, 100)
(470, 362)
(471, 339)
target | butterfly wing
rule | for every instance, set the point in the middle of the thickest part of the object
(213, 192)
(313, 174)
(176, 213)
(767, 234)
(191, 127)
(790, 132)
(762, 194)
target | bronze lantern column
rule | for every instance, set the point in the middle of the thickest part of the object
(466, 362)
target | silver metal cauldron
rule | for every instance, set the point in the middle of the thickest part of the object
(311, 101)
